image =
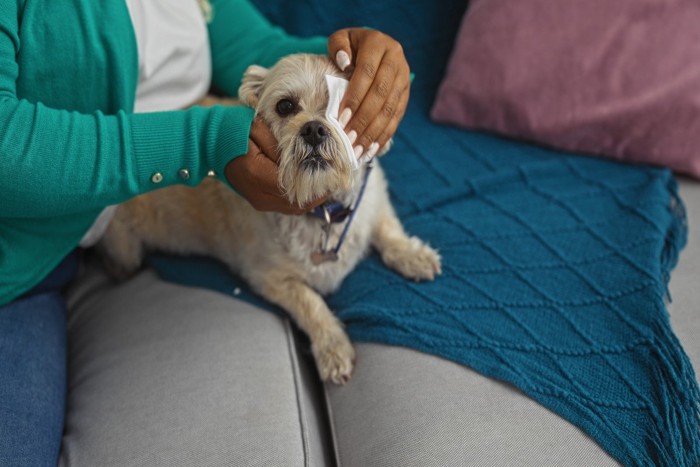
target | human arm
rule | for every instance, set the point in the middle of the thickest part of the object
(55, 162)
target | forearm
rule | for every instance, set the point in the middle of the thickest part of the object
(56, 162)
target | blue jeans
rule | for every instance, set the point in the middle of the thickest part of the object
(33, 371)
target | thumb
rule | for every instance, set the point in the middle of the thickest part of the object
(340, 48)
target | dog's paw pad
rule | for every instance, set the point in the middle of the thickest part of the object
(414, 260)
(335, 359)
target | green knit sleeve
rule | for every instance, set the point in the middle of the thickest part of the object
(240, 36)
(56, 162)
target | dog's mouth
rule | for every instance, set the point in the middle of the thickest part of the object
(315, 161)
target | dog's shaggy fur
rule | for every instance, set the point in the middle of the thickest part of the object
(272, 251)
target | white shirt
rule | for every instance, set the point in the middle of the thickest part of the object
(174, 66)
(174, 55)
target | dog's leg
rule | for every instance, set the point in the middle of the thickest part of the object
(334, 354)
(409, 256)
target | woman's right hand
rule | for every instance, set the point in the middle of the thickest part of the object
(254, 175)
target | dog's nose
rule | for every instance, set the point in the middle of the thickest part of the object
(314, 132)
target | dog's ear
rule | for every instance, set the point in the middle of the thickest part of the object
(253, 78)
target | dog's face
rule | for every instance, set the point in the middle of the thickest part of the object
(292, 98)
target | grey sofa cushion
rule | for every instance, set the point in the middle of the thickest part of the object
(406, 408)
(161, 374)
(685, 279)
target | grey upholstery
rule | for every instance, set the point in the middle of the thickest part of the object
(410, 409)
(164, 375)
(685, 279)
(168, 375)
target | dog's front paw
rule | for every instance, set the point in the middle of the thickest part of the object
(413, 259)
(335, 357)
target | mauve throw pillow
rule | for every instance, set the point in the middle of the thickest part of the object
(619, 78)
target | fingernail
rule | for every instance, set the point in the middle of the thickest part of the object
(342, 59)
(372, 150)
(352, 136)
(358, 151)
(345, 117)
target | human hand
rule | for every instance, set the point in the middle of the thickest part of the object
(254, 175)
(377, 95)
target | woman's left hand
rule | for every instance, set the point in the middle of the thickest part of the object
(377, 95)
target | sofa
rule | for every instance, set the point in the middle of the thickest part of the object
(199, 377)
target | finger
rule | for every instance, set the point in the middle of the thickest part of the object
(340, 48)
(388, 131)
(265, 175)
(379, 114)
(378, 109)
(370, 110)
(367, 61)
(253, 147)
(261, 134)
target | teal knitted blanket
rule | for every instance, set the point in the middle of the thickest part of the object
(555, 265)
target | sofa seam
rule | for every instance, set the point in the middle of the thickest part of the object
(296, 376)
(331, 423)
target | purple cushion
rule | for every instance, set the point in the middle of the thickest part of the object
(619, 78)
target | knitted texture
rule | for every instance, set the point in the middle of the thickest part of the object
(555, 266)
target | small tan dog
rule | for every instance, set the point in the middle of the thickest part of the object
(277, 254)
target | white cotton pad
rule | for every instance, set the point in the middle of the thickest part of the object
(336, 91)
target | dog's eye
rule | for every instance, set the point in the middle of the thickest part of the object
(285, 107)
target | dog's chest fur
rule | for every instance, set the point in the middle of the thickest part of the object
(260, 246)
(300, 236)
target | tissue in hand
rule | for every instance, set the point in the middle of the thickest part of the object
(336, 90)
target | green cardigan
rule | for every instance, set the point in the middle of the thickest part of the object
(69, 141)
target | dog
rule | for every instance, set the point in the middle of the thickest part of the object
(282, 257)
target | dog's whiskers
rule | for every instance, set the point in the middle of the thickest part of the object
(310, 171)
